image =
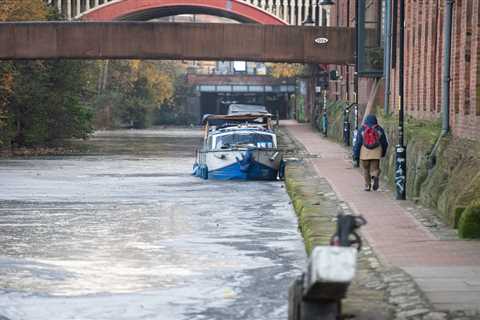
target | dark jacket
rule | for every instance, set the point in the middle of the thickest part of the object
(370, 121)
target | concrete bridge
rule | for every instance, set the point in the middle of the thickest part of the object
(117, 29)
(292, 12)
(185, 41)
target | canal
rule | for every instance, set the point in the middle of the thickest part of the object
(122, 230)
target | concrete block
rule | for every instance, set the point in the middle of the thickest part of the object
(330, 272)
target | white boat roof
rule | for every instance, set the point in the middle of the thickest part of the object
(246, 109)
(241, 117)
(258, 129)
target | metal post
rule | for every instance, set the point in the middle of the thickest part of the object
(325, 115)
(387, 55)
(401, 149)
(447, 32)
(346, 126)
(357, 9)
(295, 105)
(393, 43)
(355, 82)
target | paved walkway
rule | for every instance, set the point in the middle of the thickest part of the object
(447, 271)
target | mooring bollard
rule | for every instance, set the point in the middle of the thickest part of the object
(317, 293)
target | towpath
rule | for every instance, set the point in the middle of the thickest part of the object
(446, 269)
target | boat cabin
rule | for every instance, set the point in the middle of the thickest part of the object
(239, 137)
(215, 121)
(243, 130)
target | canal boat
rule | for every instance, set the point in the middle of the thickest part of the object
(239, 147)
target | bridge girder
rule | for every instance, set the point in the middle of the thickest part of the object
(184, 41)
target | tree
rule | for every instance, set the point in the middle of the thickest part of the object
(23, 10)
(6, 91)
(42, 101)
(135, 90)
(47, 104)
(286, 70)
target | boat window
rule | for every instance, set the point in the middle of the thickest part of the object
(210, 142)
(248, 139)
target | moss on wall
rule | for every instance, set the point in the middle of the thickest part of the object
(420, 137)
(300, 108)
(315, 213)
(335, 120)
(469, 225)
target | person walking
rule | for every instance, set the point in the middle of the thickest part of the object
(369, 147)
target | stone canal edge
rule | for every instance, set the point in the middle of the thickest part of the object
(378, 292)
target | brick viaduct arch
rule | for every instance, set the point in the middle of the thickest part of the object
(149, 9)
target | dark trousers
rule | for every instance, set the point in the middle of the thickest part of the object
(371, 168)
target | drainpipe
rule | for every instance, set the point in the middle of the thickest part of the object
(387, 56)
(447, 39)
(447, 33)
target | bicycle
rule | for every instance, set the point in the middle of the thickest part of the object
(346, 235)
(300, 306)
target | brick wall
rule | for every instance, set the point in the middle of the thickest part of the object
(343, 14)
(424, 62)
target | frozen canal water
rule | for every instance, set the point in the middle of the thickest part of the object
(124, 231)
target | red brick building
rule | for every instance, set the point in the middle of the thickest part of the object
(424, 62)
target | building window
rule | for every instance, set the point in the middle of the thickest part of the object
(370, 35)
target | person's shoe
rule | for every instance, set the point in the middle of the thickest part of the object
(367, 187)
(375, 183)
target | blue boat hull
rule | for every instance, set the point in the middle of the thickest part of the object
(235, 171)
(255, 171)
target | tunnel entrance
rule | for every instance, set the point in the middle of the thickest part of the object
(217, 103)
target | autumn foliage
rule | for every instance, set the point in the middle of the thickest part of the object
(44, 102)
(156, 76)
(15, 10)
(286, 70)
(133, 90)
(23, 10)
(41, 102)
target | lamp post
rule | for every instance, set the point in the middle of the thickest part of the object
(309, 22)
(324, 102)
(356, 163)
(401, 149)
(357, 9)
(324, 113)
